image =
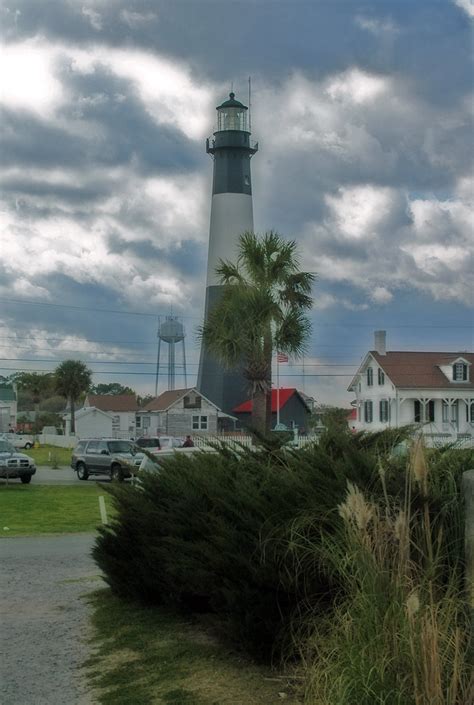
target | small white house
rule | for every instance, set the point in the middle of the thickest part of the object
(92, 423)
(434, 389)
(179, 412)
(123, 409)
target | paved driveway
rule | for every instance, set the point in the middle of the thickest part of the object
(63, 476)
(44, 619)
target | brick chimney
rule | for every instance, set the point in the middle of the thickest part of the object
(380, 342)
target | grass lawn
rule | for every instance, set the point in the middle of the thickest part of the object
(147, 656)
(49, 455)
(44, 509)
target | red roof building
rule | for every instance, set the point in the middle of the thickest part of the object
(294, 411)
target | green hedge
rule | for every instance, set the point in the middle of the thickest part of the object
(211, 532)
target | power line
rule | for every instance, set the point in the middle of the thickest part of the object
(372, 326)
(88, 308)
(136, 362)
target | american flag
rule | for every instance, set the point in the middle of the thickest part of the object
(281, 357)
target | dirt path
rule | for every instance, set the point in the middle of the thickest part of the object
(43, 620)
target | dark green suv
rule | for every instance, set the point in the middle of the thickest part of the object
(107, 456)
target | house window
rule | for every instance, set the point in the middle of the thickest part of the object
(199, 423)
(115, 422)
(370, 376)
(446, 415)
(138, 422)
(368, 411)
(424, 412)
(460, 372)
(381, 377)
(470, 412)
(384, 411)
(430, 411)
(192, 401)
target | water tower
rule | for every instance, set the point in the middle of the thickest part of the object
(171, 331)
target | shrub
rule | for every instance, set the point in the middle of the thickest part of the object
(208, 532)
(241, 534)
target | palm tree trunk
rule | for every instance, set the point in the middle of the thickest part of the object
(267, 352)
(259, 408)
(73, 417)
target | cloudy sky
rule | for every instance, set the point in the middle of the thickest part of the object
(363, 114)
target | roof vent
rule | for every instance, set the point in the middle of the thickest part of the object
(380, 342)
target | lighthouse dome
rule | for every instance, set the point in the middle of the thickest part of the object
(232, 103)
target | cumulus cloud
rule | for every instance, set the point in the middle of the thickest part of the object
(466, 5)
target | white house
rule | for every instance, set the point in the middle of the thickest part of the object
(93, 423)
(123, 409)
(435, 389)
(179, 412)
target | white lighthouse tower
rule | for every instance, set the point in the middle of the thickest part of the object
(231, 215)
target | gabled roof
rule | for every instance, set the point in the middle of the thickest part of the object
(284, 396)
(86, 410)
(422, 369)
(113, 402)
(165, 400)
(168, 399)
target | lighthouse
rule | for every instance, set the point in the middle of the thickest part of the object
(231, 215)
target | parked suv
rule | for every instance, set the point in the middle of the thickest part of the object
(107, 456)
(14, 464)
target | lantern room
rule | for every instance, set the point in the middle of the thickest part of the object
(232, 115)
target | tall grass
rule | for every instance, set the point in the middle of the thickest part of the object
(397, 633)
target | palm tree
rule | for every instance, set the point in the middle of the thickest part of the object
(72, 378)
(262, 308)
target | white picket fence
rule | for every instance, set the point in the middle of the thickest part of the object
(246, 439)
(56, 440)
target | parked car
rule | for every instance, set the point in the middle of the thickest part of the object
(151, 465)
(14, 464)
(106, 456)
(155, 443)
(19, 440)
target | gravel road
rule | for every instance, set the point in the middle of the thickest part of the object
(44, 619)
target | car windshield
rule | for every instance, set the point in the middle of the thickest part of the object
(6, 447)
(148, 443)
(119, 447)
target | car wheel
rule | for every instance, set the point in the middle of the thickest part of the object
(28, 446)
(26, 479)
(116, 473)
(81, 470)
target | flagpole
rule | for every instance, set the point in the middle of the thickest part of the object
(278, 390)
